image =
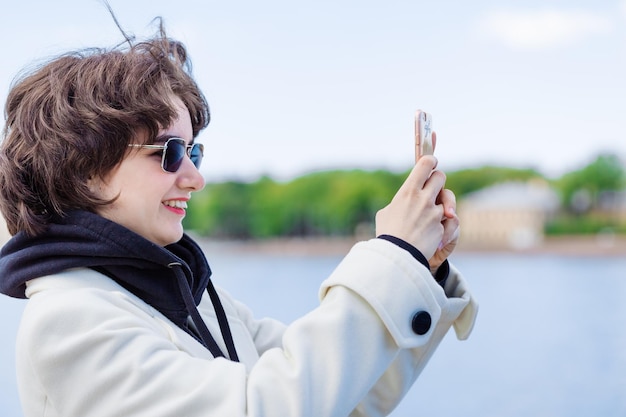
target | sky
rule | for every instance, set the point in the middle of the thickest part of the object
(301, 86)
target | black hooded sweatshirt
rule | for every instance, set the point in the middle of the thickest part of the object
(171, 279)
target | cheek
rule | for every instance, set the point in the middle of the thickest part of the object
(146, 193)
(139, 185)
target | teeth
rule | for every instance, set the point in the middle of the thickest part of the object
(176, 203)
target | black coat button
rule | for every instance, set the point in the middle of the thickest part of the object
(421, 322)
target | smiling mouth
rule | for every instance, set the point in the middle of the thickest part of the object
(178, 204)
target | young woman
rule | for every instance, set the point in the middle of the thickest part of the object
(97, 165)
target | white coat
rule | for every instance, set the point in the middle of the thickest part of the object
(89, 348)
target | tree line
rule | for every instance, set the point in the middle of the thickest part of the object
(336, 203)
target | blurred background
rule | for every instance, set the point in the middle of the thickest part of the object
(313, 105)
(312, 132)
(302, 86)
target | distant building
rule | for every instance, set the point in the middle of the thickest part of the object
(509, 215)
(612, 205)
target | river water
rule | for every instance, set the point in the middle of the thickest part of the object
(550, 339)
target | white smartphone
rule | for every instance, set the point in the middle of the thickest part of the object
(423, 134)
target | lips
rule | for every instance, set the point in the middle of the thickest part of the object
(179, 204)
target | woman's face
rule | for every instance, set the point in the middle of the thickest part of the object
(152, 202)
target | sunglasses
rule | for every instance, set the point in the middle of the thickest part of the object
(174, 151)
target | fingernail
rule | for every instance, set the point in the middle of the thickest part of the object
(441, 245)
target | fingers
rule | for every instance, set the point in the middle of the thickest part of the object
(422, 212)
(450, 219)
(420, 175)
(448, 200)
(451, 230)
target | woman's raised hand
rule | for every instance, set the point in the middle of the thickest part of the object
(416, 213)
(451, 229)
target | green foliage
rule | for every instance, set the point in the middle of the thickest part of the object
(465, 181)
(221, 209)
(585, 225)
(337, 202)
(581, 189)
(322, 203)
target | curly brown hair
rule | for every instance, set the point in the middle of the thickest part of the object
(71, 120)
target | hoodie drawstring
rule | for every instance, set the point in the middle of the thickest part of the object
(204, 333)
(227, 335)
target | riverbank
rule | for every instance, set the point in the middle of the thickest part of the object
(612, 245)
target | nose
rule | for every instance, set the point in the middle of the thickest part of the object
(189, 177)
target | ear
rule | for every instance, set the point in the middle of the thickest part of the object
(96, 185)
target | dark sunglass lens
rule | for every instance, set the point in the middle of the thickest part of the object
(197, 150)
(174, 154)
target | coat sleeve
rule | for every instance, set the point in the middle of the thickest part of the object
(95, 355)
(266, 333)
(459, 311)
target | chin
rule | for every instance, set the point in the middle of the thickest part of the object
(171, 238)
